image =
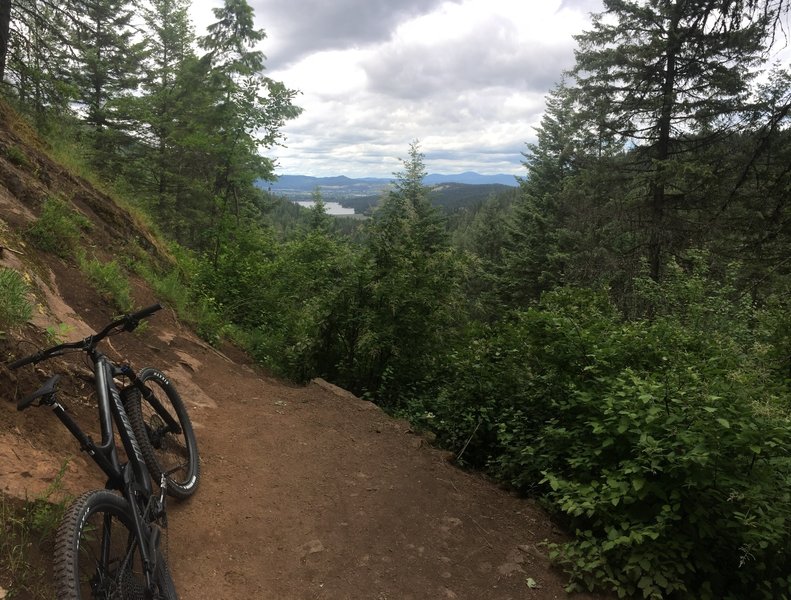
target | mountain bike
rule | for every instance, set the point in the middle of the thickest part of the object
(108, 544)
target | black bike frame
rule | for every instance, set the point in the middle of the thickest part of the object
(132, 479)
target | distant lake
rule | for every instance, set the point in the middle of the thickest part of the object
(332, 208)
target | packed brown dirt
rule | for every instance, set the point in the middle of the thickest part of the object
(307, 492)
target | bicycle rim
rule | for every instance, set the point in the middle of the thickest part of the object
(96, 554)
(172, 449)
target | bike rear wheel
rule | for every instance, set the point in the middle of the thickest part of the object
(97, 555)
(164, 432)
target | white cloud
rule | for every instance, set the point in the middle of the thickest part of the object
(465, 77)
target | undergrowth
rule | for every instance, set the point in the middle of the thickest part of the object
(15, 309)
(109, 280)
(173, 285)
(58, 229)
(28, 533)
(661, 441)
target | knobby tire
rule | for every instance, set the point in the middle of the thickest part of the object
(174, 454)
(80, 573)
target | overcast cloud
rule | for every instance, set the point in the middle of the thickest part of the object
(467, 78)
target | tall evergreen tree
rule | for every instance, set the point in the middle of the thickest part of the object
(411, 293)
(161, 109)
(5, 35)
(531, 256)
(107, 61)
(246, 112)
(673, 75)
(36, 64)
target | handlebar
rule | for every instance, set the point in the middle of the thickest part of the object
(127, 323)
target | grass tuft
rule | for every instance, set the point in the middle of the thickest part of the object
(15, 309)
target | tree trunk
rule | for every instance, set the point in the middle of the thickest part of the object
(662, 152)
(5, 31)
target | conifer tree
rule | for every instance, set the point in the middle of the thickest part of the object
(673, 75)
(166, 103)
(244, 115)
(5, 35)
(106, 71)
(413, 278)
(37, 55)
(531, 256)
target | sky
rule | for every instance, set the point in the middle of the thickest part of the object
(465, 78)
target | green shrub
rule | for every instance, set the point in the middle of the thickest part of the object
(58, 229)
(28, 529)
(17, 156)
(176, 288)
(110, 281)
(663, 441)
(14, 306)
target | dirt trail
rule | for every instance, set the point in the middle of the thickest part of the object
(306, 492)
(311, 495)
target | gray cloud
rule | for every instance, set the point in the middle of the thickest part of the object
(585, 6)
(471, 95)
(489, 58)
(305, 26)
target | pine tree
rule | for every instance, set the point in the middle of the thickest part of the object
(36, 62)
(531, 257)
(106, 71)
(673, 76)
(411, 291)
(167, 103)
(245, 113)
(5, 35)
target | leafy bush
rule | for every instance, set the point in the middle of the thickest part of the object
(280, 298)
(17, 156)
(14, 306)
(176, 287)
(664, 441)
(110, 281)
(57, 229)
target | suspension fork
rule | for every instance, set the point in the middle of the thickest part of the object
(146, 533)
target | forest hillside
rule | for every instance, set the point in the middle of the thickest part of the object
(611, 339)
(306, 492)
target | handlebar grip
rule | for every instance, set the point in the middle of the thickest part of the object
(24, 361)
(145, 312)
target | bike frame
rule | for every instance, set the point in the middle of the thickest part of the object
(131, 479)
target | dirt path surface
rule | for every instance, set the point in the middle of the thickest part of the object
(306, 492)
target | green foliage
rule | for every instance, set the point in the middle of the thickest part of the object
(409, 294)
(662, 440)
(17, 156)
(15, 309)
(57, 334)
(25, 527)
(279, 297)
(58, 228)
(109, 280)
(176, 287)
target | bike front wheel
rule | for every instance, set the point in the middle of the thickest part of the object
(97, 554)
(164, 432)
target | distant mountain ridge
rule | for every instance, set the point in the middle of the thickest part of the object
(340, 185)
(472, 178)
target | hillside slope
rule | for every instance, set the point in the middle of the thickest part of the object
(307, 492)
